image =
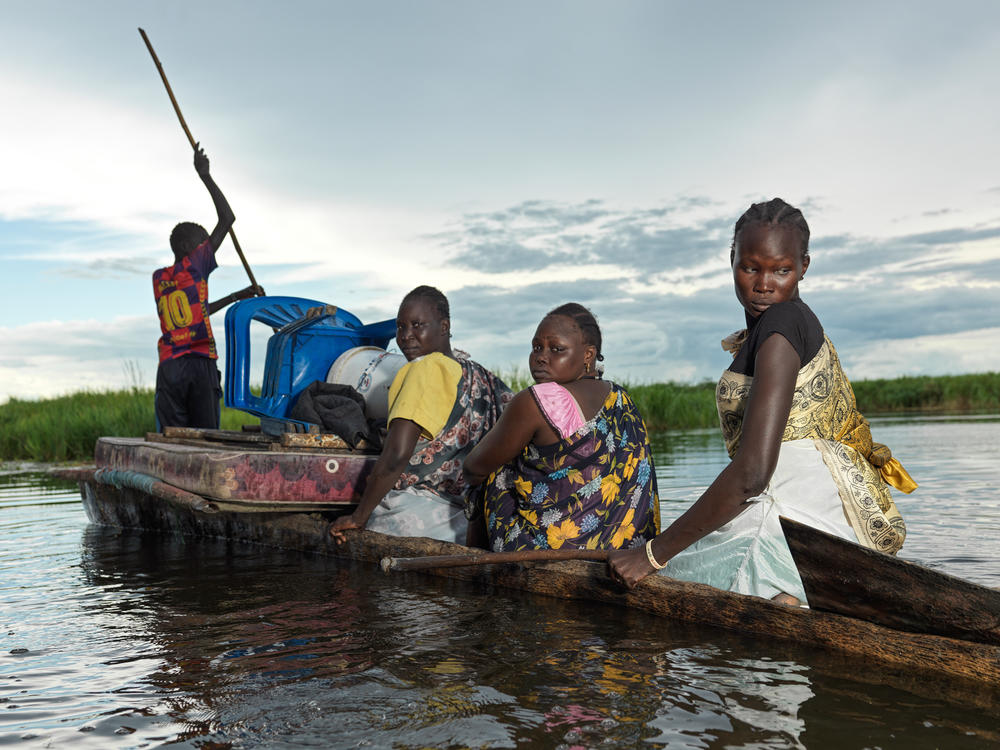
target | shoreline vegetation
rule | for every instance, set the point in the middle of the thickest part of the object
(65, 428)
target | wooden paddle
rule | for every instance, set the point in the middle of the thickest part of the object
(390, 564)
(239, 251)
(846, 578)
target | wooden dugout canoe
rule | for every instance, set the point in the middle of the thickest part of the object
(939, 667)
(846, 578)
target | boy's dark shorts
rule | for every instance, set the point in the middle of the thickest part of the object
(187, 393)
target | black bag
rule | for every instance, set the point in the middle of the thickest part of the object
(338, 409)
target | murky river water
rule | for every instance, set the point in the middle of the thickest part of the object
(113, 639)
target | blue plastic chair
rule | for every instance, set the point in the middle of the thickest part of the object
(300, 352)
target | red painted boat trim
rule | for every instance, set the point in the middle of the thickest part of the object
(290, 477)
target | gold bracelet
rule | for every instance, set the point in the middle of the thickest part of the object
(649, 556)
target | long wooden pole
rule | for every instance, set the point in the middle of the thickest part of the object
(390, 564)
(239, 251)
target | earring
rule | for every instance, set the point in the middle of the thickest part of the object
(586, 368)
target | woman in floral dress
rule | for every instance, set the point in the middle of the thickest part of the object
(569, 463)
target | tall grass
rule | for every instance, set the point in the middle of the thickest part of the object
(666, 406)
(65, 428)
(516, 378)
(979, 392)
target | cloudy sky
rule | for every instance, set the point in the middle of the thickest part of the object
(517, 155)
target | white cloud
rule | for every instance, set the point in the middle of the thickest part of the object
(58, 164)
(952, 354)
(59, 167)
(55, 357)
(353, 181)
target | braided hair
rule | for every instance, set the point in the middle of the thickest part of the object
(774, 212)
(584, 320)
(433, 296)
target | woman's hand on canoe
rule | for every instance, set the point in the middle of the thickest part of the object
(629, 566)
(342, 524)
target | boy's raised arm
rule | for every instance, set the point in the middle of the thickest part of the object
(225, 213)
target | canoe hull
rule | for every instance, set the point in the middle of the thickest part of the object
(843, 577)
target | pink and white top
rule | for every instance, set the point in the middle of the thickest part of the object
(559, 408)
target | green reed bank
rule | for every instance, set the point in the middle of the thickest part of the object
(65, 428)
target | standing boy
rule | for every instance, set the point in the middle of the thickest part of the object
(188, 385)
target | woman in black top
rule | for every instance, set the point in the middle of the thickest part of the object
(798, 445)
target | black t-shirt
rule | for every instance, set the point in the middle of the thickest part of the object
(793, 320)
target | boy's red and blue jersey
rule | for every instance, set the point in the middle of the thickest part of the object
(181, 293)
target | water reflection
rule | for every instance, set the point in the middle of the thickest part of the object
(744, 701)
(241, 645)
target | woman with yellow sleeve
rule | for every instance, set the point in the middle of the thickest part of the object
(441, 403)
